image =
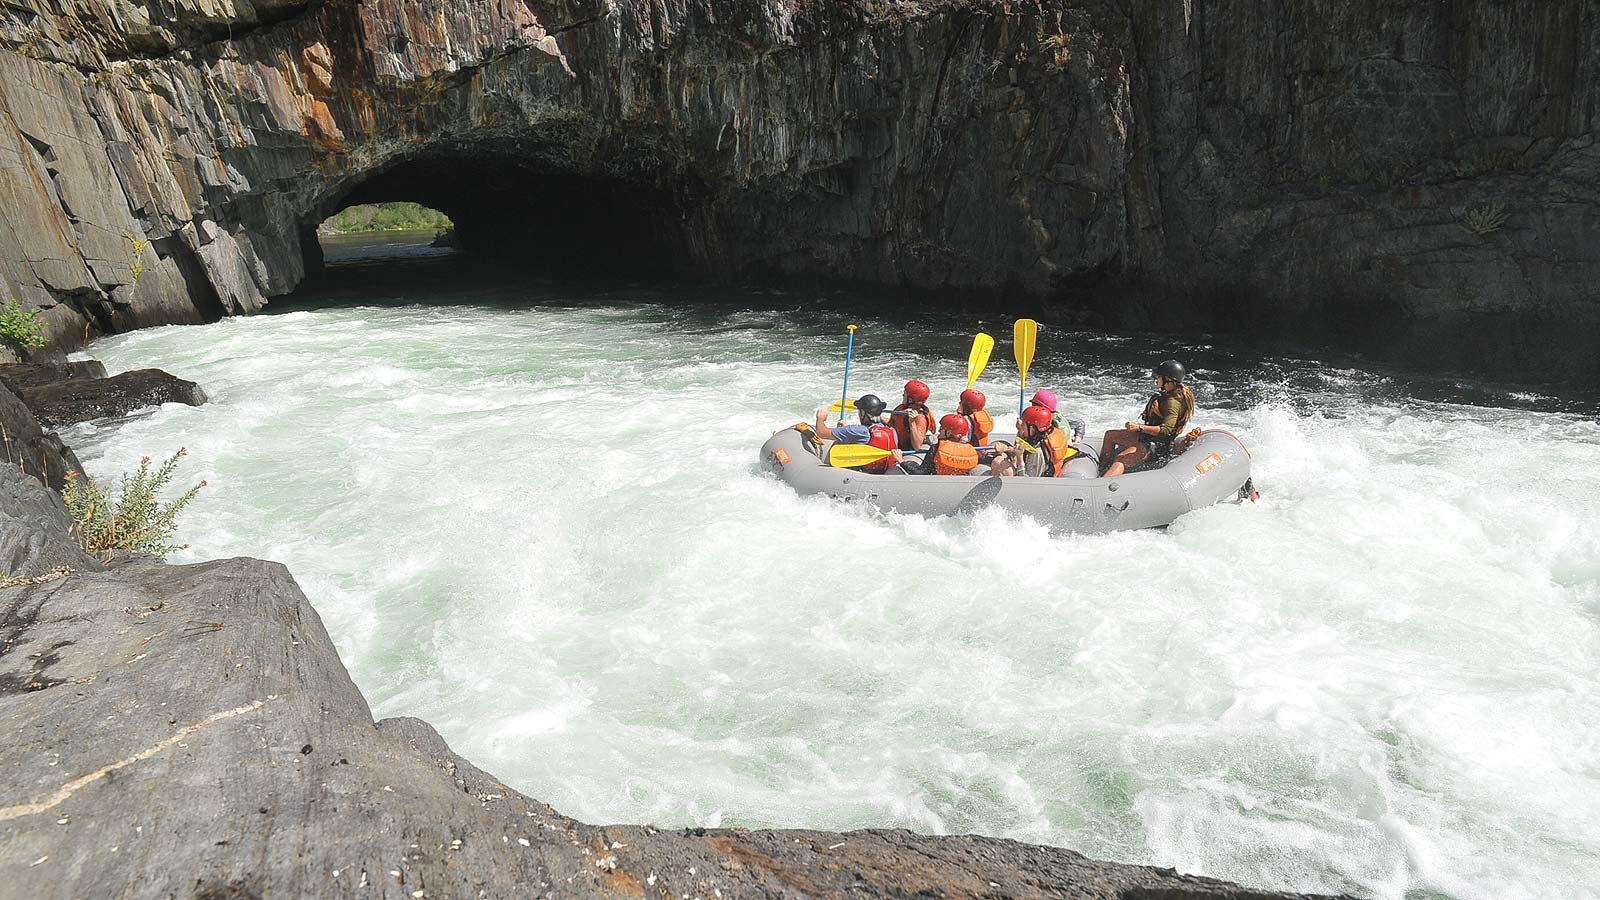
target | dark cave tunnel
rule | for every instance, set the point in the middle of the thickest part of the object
(514, 212)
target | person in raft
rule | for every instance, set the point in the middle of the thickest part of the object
(1077, 426)
(950, 453)
(1048, 448)
(979, 423)
(912, 422)
(871, 431)
(1150, 438)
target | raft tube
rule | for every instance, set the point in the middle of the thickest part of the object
(1215, 467)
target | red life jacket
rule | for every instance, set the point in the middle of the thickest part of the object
(883, 438)
(902, 424)
(954, 458)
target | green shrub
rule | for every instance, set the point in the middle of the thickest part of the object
(1480, 220)
(136, 247)
(20, 326)
(136, 519)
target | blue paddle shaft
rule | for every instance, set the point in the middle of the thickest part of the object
(844, 395)
(919, 452)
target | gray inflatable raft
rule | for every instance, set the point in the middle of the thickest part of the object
(1214, 468)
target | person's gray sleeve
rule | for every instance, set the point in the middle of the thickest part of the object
(1079, 427)
(1033, 464)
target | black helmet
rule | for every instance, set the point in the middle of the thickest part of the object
(869, 405)
(1172, 370)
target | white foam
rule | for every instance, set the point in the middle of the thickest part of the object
(541, 530)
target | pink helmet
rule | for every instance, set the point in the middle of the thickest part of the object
(1046, 399)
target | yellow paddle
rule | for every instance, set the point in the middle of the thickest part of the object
(848, 404)
(1027, 331)
(848, 456)
(982, 346)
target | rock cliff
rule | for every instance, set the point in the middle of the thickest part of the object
(1407, 171)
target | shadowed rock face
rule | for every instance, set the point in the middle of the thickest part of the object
(1406, 173)
(30, 448)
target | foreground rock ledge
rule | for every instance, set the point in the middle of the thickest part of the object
(189, 731)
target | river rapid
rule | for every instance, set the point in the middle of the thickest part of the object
(532, 516)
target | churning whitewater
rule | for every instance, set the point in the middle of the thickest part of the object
(540, 526)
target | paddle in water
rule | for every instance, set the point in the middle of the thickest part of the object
(1027, 331)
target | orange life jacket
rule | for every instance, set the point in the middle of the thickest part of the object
(902, 424)
(979, 426)
(1057, 450)
(954, 458)
(883, 438)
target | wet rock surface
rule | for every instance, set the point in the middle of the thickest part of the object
(1402, 174)
(57, 403)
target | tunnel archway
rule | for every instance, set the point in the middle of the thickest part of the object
(513, 208)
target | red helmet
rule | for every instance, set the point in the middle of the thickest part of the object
(972, 401)
(917, 392)
(1037, 416)
(956, 425)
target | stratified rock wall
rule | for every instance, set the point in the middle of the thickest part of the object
(1225, 163)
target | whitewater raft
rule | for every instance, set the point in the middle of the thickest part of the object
(1212, 469)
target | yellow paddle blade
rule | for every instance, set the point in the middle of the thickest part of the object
(848, 456)
(982, 346)
(848, 404)
(1027, 332)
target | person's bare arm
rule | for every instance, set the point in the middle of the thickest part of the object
(822, 429)
(919, 430)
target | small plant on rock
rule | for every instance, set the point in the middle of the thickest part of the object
(20, 326)
(136, 246)
(1481, 220)
(135, 519)
(1055, 46)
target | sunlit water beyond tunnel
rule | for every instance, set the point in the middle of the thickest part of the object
(534, 519)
